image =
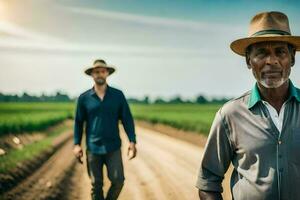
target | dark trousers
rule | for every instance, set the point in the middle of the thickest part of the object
(115, 172)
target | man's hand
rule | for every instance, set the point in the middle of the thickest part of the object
(131, 151)
(77, 150)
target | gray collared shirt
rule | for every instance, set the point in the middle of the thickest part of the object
(266, 162)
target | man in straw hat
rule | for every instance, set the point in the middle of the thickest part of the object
(100, 108)
(259, 132)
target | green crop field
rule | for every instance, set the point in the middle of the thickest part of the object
(26, 117)
(191, 117)
(22, 117)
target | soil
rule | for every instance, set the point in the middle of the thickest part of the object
(165, 168)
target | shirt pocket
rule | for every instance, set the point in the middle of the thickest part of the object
(295, 146)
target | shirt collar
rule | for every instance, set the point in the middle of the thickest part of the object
(255, 95)
(294, 92)
(92, 90)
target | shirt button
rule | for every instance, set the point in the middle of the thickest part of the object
(279, 141)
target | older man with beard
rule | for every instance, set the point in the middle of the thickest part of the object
(101, 108)
(259, 132)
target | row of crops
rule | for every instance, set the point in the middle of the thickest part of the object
(23, 117)
(192, 117)
(28, 117)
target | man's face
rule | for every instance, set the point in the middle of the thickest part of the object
(271, 63)
(99, 75)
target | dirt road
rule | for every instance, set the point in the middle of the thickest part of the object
(165, 169)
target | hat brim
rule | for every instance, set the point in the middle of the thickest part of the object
(110, 70)
(239, 46)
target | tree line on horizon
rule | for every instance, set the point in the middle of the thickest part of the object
(200, 99)
(25, 97)
(63, 97)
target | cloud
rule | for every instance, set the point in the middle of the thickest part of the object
(154, 42)
(152, 20)
(18, 39)
(21, 46)
(13, 30)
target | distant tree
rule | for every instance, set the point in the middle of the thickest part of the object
(160, 101)
(201, 99)
(43, 97)
(220, 100)
(25, 97)
(61, 97)
(146, 100)
(176, 100)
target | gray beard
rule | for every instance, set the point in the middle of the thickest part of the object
(276, 84)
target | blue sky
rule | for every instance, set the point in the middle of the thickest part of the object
(160, 48)
(218, 11)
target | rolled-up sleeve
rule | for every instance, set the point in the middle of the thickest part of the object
(80, 117)
(127, 120)
(216, 158)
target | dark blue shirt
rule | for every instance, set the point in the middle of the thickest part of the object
(101, 119)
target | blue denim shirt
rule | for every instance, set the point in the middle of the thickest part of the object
(101, 119)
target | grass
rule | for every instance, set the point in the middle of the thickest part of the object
(28, 152)
(191, 117)
(27, 117)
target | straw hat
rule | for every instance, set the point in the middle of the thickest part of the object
(100, 63)
(266, 26)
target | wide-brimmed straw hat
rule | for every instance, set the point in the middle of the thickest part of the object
(264, 27)
(100, 63)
